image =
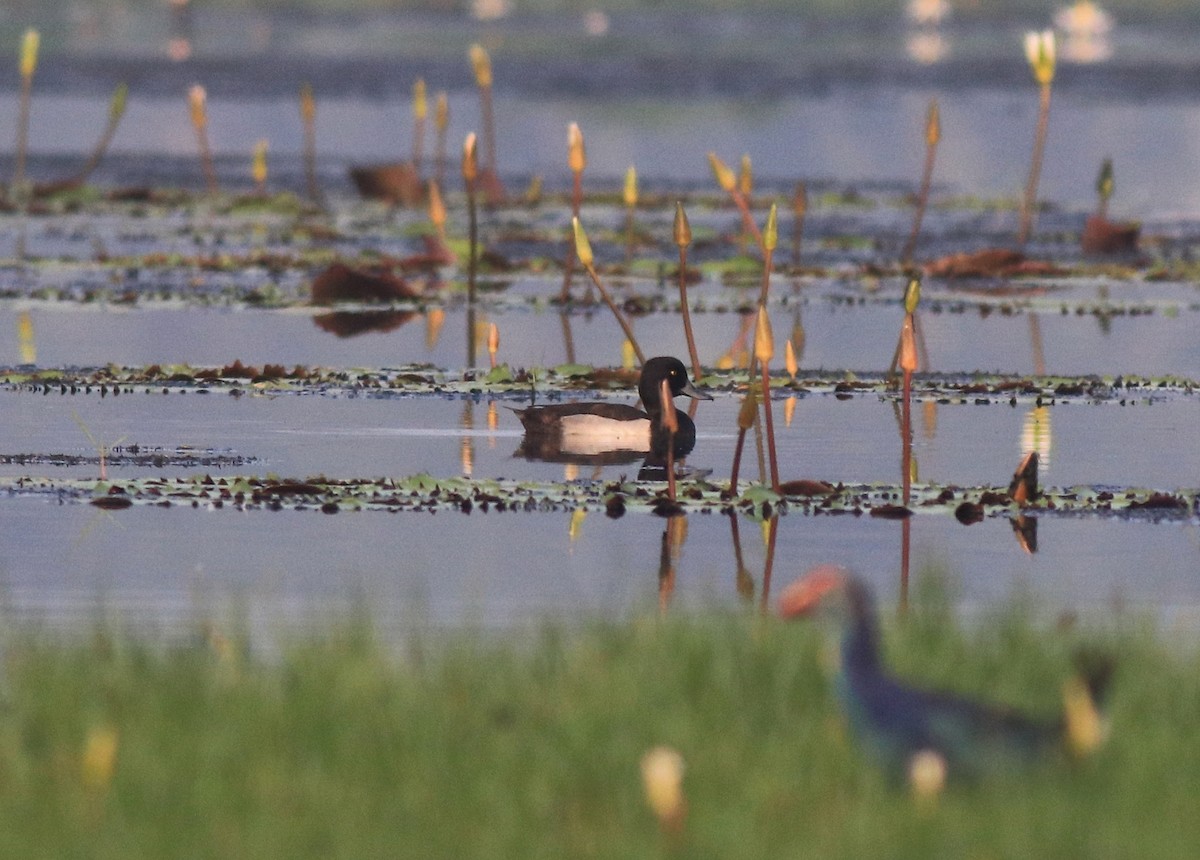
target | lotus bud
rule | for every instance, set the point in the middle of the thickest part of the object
(493, 344)
(116, 105)
(927, 775)
(771, 233)
(583, 248)
(197, 99)
(764, 340)
(933, 124)
(662, 778)
(628, 354)
(470, 161)
(745, 176)
(912, 295)
(722, 173)
(789, 359)
(629, 194)
(308, 104)
(1039, 51)
(99, 757)
(420, 103)
(482, 64)
(29, 52)
(683, 230)
(576, 156)
(1085, 728)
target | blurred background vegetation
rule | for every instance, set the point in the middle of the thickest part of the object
(1126, 11)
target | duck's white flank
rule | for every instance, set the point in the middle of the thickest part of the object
(592, 434)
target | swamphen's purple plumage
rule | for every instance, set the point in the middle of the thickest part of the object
(897, 721)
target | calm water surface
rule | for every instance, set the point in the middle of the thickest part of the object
(843, 106)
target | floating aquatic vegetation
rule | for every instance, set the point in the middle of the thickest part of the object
(426, 493)
(418, 380)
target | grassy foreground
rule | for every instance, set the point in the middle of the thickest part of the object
(528, 746)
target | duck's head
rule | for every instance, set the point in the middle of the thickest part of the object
(671, 369)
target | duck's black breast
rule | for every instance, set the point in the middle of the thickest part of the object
(685, 436)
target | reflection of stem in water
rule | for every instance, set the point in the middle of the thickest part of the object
(672, 548)
(1025, 530)
(772, 531)
(467, 446)
(929, 415)
(493, 421)
(1035, 342)
(905, 542)
(744, 582)
(1036, 435)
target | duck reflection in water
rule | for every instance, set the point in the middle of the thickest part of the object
(599, 434)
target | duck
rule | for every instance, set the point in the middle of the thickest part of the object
(593, 429)
(903, 726)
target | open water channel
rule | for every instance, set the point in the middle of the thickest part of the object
(841, 109)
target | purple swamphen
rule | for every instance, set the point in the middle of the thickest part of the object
(904, 726)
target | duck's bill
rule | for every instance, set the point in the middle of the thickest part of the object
(694, 392)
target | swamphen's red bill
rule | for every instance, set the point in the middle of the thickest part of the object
(802, 597)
